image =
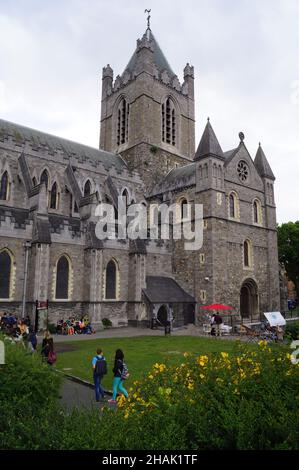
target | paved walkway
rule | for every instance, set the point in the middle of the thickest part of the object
(129, 332)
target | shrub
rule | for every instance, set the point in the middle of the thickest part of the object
(106, 322)
(244, 401)
(28, 400)
(292, 330)
(52, 328)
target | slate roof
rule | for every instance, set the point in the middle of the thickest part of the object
(165, 290)
(208, 144)
(159, 58)
(54, 143)
(176, 178)
(262, 165)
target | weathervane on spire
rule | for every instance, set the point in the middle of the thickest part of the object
(148, 18)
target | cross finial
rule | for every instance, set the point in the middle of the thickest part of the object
(148, 18)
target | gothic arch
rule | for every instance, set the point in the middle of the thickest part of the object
(63, 278)
(7, 274)
(233, 206)
(257, 213)
(111, 280)
(45, 171)
(87, 187)
(249, 299)
(247, 253)
(121, 117)
(5, 186)
(170, 121)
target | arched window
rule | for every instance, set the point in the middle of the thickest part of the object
(111, 281)
(54, 197)
(87, 188)
(62, 278)
(45, 178)
(5, 273)
(233, 206)
(257, 212)
(123, 122)
(247, 254)
(4, 187)
(168, 122)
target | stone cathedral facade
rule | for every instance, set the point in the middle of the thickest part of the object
(50, 187)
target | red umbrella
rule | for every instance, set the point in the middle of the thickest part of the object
(216, 307)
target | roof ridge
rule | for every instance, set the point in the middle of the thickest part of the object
(54, 136)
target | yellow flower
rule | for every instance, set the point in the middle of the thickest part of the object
(186, 354)
(201, 376)
(151, 376)
(224, 355)
(202, 360)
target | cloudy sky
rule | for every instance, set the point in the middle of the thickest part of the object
(245, 54)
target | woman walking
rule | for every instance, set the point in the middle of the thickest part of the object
(120, 371)
(47, 351)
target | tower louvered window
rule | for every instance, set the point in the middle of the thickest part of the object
(123, 122)
(168, 122)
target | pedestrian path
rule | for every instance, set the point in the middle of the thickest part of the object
(130, 332)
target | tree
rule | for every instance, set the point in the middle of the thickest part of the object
(288, 250)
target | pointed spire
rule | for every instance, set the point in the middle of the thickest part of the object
(209, 144)
(262, 165)
(160, 60)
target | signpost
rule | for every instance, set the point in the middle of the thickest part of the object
(41, 315)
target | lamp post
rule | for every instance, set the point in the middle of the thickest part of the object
(26, 245)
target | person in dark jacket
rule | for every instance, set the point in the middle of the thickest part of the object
(47, 351)
(119, 371)
(32, 340)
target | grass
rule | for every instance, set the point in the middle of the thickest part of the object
(140, 353)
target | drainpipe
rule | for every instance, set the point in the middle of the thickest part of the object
(26, 245)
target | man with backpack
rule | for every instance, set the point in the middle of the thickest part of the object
(99, 366)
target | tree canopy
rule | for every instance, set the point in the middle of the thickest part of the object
(288, 250)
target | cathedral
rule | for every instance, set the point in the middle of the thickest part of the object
(50, 188)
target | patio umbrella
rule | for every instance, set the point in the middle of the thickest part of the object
(216, 307)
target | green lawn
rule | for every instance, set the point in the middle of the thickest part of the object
(140, 353)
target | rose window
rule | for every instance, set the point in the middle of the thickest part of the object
(243, 171)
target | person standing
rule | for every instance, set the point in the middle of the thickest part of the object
(99, 367)
(218, 322)
(120, 372)
(32, 340)
(47, 351)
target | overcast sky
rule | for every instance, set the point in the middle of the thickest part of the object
(245, 54)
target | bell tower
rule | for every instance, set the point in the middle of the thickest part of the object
(147, 115)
